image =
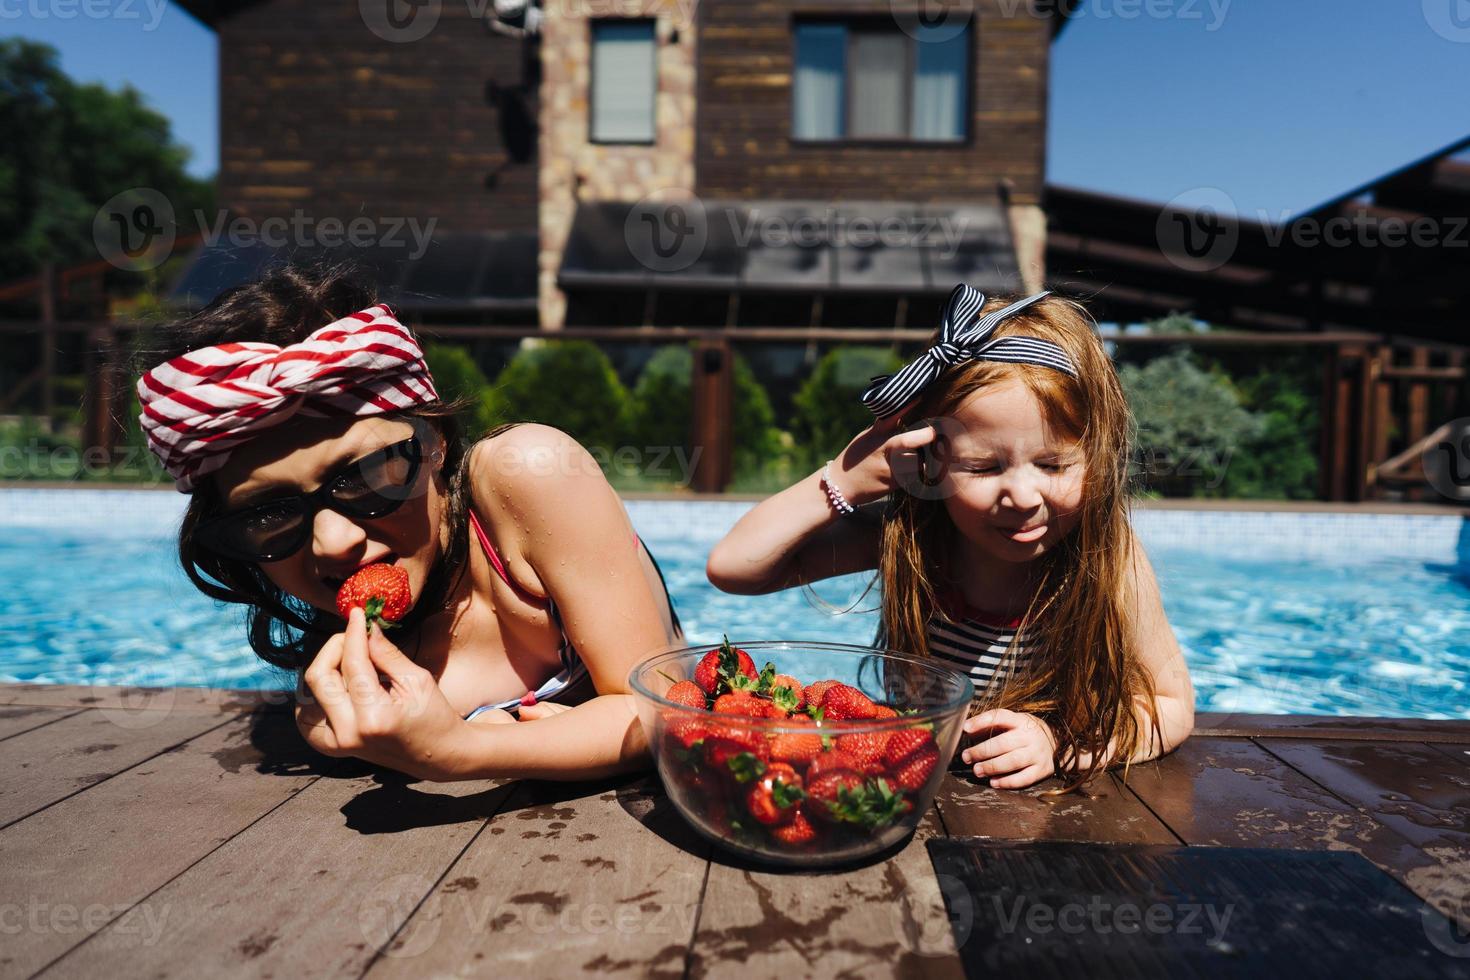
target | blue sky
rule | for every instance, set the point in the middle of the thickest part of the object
(1279, 103)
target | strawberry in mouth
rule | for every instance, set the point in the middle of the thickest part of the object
(379, 590)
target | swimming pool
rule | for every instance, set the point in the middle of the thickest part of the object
(1311, 613)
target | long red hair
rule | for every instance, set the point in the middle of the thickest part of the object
(1082, 676)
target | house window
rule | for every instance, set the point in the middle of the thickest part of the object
(865, 80)
(624, 80)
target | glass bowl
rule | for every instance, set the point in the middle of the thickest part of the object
(728, 773)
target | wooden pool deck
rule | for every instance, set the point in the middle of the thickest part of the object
(190, 832)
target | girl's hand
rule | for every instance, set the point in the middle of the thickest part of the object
(870, 467)
(1019, 753)
(372, 702)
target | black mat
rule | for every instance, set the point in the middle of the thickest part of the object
(1051, 909)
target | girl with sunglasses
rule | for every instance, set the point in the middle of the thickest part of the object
(303, 422)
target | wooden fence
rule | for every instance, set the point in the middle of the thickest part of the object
(1385, 398)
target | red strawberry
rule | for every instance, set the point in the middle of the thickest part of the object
(719, 667)
(829, 790)
(379, 590)
(842, 703)
(798, 833)
(830, 761)
(797, 748)
(773, 796)
(742, 703)
(866, 749)
(916, 770)
(724, 742)
(791, 684)
(688, 694)
(812, 694)
(885, 712)
(903, 744)
(685, 731)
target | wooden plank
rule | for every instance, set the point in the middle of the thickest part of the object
(1412, 789)
(47, 764)
(15, 719)
(83, 862)
(312, 889)
(1230, 791)
(598, 878)
(1318, 727)
(1108, 812)
(1457, 752)
(137, 699)
(887, 918)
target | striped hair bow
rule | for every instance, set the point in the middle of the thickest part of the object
(961, 339)
(201, 405)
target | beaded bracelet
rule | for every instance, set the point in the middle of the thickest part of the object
(834, 496)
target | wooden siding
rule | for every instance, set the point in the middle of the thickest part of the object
(744, 146)
(320, 115)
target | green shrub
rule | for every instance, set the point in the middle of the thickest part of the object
(1191, 425)
(828, 409)
(1282, 462)
(456, 375)
(566, 383)
(663, 409)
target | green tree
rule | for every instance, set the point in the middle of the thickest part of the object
(828, 408)
(456, 375)
(663, 406)
(1191, 424)
(566, 383)
(69, 149)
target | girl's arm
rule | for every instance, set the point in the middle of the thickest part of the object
(576, 542)
(796, 536)
(1021, 747)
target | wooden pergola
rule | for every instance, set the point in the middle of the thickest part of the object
(1378, 275)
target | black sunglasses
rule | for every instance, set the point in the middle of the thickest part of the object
(370, 487)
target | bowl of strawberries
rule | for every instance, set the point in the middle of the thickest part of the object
(824, 754)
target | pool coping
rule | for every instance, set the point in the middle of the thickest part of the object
(1146, 503)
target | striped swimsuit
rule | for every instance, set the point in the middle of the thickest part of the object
(977, 644)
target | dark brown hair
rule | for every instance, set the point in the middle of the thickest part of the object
(282, 308)
(1083, 675)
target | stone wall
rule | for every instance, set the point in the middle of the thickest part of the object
(575, 169)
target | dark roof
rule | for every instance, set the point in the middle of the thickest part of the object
(789, 246)
(459, 273)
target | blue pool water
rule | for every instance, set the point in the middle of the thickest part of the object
(1360, 628)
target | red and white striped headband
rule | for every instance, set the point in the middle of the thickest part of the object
(201, 405)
